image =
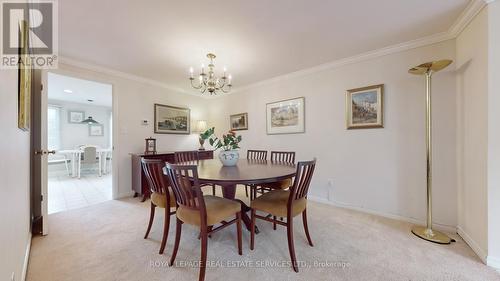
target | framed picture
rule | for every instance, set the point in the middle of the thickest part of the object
(96, 130)
(364, 107)
(239, 121)
(286, 117)
(76, 116)
(24, 82)
(172, 120)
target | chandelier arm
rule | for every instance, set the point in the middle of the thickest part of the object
(196, 87)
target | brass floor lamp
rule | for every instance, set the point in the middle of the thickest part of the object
(426, 232)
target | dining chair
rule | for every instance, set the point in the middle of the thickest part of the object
(254, 155)
(281, 157)
(190, 158)
(161, 195)
(286, 203)
(57, 159)
(202, 211)
(89, 157)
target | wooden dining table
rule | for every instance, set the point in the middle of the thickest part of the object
(246, 172)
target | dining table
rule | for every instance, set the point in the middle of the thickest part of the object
(75, 157)
(246, 172)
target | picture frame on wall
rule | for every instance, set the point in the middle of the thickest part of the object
(25, 73)
(96, 130)
(286, 116)
(239, 121)
(364, 107)
(171, 119)
(76, 117)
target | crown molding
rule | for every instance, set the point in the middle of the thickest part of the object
(119, 74)
(425, 41)
(467, 16)
(469, 13)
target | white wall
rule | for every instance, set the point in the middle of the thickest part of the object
(494, 135)
(379, 170)
(14, 182)
(132, 102)
(73, 135)
(472, 88)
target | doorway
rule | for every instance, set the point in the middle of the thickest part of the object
(79, 142)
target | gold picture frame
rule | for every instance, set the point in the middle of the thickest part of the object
(365, 107)
(24, 80)
(238, 121)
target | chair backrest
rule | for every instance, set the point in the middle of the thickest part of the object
(187, 157)
(256, 154)
(186, 188)
(302, 180)
(283, 156)
(153, 169)
(89, 154)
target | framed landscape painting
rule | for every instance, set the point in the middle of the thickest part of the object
(172, 120)
(76, 117)
(286, 117)
(239, 121)
(96, 130)
(24, 81)
(364, 107)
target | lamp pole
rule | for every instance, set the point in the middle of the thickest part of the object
(427, 69)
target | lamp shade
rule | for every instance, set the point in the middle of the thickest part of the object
(201, 126)
(89, 120)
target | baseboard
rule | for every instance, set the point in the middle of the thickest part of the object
(26, 258)
(474, 246)
(437, 226)
(125, 195)
(493, 262)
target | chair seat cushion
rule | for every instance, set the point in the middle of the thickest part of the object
(218, 209)
(283, 184)
(160, 200)
(275, 203)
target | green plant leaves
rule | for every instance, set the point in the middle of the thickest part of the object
(228, 142)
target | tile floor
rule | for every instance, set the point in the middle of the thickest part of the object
(66, 193)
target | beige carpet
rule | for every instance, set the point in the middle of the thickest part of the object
(105, 242)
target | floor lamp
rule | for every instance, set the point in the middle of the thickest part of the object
(426, 232)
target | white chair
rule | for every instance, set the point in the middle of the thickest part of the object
(89, 157)
(57, 159)
(107, 158)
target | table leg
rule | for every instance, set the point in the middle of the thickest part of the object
(229, 192)
(73, 165)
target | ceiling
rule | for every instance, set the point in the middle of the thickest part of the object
(65, 88)
(256, 40)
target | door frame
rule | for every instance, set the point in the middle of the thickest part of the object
(43, 134)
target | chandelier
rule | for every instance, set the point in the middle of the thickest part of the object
(208, 81)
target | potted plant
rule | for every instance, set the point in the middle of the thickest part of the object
(228, 144)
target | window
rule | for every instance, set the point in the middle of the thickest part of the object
(54, 127)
